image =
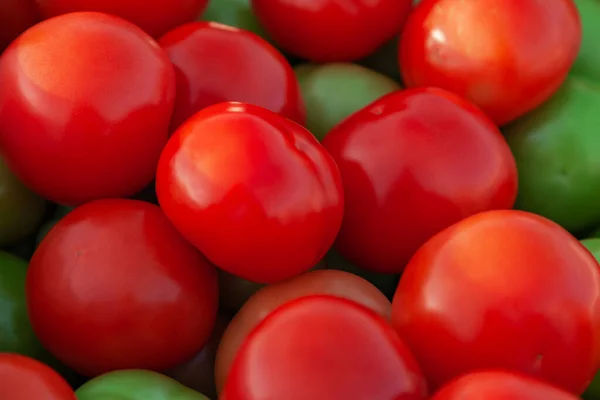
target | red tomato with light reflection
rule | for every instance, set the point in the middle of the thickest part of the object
(154, 16)
(114, 286)
(413, 163)
(23, 378)
(324, 348)
(502, 289)
(94, 123)
(500, 385)
(332, 30)
(506, 56)
(255, 192)
(216, 63)
(15, 17)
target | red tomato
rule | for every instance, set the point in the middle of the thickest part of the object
(154, 16)
(413, 163)
(506, 56)
(93, 124)
(499, 385)
(324, 348)
(332, 30)
(114, 286)
(15, 17)
(502, 289)
(23, 378)
(253, 191)
(216, 63)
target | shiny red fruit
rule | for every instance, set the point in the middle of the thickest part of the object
(332, 30)
(216, 63)
(85, 105)
(413, 163)
(506, 56)
(324, 348)
(504, 290)
(253, 191)
(16, 16)
(114, 286)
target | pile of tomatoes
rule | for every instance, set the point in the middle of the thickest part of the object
(299, 200)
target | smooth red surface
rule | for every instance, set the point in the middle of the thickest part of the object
(253, 191)
(503, 289)
(154, 16)
(15, 17)
(324, 348)
(413, 163)
(23, 378)
(85, 107)
(216, 63)
(506, 56)
(114, 286)
(499, 385)
(332, 30)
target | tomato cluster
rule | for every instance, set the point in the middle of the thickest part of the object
(299, 200)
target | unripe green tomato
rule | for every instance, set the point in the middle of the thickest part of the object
(587, 63)
(236, 13)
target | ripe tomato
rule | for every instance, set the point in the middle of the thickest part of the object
(114, 286)
(502, 289)
(500, 385)
(216, 63)
(23, 378)
(93, 124)
(506, 56)
(349, 353)
(413, 163)
(258, 307)
(155, 17)
(253, 191)
(331, 30)
(15, 17)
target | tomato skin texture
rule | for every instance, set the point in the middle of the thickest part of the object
(253, 191)
(23, 378)
(276, 362)
(155, 17)
(329, 30)
(500, 385)
(142, 296)
(16, 16)
(413, 163)
(215, 63)
(507, 57)
(99, 123)
(502, 289)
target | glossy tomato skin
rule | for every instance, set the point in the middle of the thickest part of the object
(215, 63)
(156, 17)
(507, 57)
(23, 378)
(500, 385)
(413, 163)
(350, 353)
(503, 289)
(16, 16)
(253, 191)
(93, 125)
(141, 296)
(330, 30)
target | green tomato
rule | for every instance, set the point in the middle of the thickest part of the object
(236, 13)
(333, 91)
(587, 63)
(135, 385)
(557, 149)
(385, 60)
(21, 210)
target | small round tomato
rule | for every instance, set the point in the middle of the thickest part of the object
(155, 17)
(237, 13)
(114, 286)
(215, 63)
(502, 289)
(23, 378)
(94, 123)
(506, 56)
(331, 30)
(255, 192)
(15, 17)
(259, 306)
(413, 163)
(500, 385)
